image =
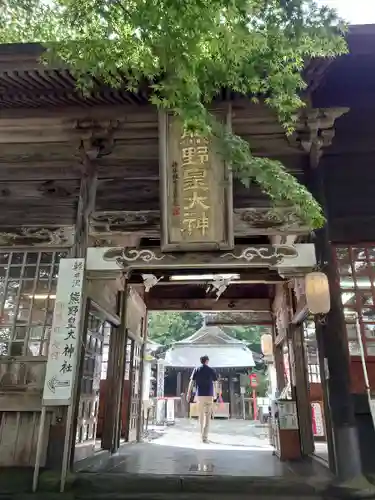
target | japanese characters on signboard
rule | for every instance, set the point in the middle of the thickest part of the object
(198, 195)
(317, 420)
(288, 419)
(196, 212)
(253, 380)
(64, 343)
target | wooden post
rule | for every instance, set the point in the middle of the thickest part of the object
(86, 205)
(301, 392)
(141, 379)
(279, 361)
(86, 202)
(301, 381)
(179, 384)
(115, 346)
(232, 411)
(119, 384)
(334, 352)
(255, 415)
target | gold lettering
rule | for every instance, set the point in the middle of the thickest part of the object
(193, 222)
(189, 138)
(197, 201)
(194, 179)
(202, 153)
(188, 155)
(202, 223)
(189, 223)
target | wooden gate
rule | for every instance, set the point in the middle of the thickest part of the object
(135, 389)
(136, 321)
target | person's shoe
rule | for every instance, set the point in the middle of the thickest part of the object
(204, 440)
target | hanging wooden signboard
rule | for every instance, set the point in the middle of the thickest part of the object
(196, 191)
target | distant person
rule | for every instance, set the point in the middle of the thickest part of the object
(204, 378)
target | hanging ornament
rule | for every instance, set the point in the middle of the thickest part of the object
(150, 280)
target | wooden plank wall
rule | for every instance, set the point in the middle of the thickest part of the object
(21, 384)
(18, 438)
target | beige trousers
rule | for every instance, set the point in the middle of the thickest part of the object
(205, 407)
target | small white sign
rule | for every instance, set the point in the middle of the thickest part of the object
(160, 378)
(64, 349)
(170, 411)
(317, 416)
(160, 411)
(288, 419)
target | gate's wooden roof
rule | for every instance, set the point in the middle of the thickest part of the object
(43, 119)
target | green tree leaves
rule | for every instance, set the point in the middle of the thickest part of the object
(187, 52)
(168, 327)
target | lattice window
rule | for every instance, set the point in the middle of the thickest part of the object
(97, 329)
(28, 282)
(356, 266)
(135, 391)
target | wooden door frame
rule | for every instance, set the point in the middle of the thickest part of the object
(131, 374)
(89, 304)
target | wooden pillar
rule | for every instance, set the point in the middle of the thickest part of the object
(86, 205)
(301, 389)
(120, 370)
(302, 392)
(129, 360)
(141, 379)
(333, 350)
(179, 384)
(231, 395)
(86, 201)
(110, 420)
(279, 361)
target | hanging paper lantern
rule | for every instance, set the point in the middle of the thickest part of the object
(317, 293)
(266, 344)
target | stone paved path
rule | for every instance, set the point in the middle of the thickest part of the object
(235, 448)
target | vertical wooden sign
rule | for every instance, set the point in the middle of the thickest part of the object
(196, 191)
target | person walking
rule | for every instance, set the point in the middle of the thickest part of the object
(205, 380)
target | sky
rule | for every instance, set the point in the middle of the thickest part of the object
(353, 11)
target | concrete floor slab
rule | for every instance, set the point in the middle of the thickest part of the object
(236, 448)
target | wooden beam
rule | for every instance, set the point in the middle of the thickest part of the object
(247, 305)
(69, 169)
(261, 322)
(86, 203)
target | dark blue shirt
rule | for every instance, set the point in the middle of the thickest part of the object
(204, 377)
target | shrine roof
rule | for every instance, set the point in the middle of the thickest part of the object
(207, 333)
(223, 350)
(223, 356)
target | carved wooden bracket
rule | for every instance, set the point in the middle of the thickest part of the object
(53, 236)
(97, 137)
(105, 226)
(315, 130)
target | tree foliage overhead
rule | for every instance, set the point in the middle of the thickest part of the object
(168, 327)
(187, 52)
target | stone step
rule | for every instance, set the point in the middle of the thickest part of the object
(89, 486)
(150, 496)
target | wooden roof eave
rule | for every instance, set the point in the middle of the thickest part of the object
(18, 58)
